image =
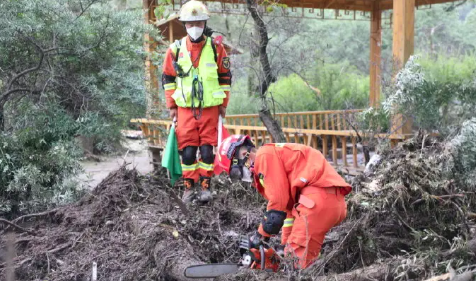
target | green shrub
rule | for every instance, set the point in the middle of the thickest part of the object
(439, 99)
(37, 166)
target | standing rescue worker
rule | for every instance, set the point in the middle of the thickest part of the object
(196, 79)
(305, 194)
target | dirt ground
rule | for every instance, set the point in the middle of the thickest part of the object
(137, 155)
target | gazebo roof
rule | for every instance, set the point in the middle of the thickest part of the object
(353, 5)
(178, 32)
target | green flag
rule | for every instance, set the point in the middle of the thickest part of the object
(171, 158)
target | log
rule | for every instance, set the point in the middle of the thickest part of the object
(174, 262)
(373, 272)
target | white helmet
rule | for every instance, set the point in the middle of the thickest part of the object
(194, 11)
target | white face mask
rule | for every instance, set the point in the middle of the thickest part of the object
(195, 32)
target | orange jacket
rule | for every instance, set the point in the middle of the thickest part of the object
(169, 74)
(281, 171)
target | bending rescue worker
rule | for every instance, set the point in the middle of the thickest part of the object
(305, 194)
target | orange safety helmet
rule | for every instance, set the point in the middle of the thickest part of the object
(228, 160)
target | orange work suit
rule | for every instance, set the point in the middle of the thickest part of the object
(189, 131)
(298, 180)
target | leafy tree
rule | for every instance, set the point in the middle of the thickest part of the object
(67, 68)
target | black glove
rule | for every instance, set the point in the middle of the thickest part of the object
(257, 240)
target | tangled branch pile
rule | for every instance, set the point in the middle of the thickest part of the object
(412, 215)
(409, 219)
(133, 229)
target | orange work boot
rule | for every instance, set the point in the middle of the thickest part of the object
(188, 194)
(205, 195)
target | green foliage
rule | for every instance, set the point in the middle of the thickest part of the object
(291, 94)
(439, 99)
(374, 120)
(37, 166)
(341, 86)
(94, 69)
(463, 147)
(67, 69)
(331, 86)
(240, 102)
(449, 69)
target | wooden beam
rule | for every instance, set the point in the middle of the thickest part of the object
(375, 54)
(171, 32)
(328, 3)
(388, 4)
(403, 47)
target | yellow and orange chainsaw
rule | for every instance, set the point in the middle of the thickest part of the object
(259, 257)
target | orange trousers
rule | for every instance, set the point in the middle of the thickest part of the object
(192, 132)
(319, 210)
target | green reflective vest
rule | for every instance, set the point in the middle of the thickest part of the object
(207, 73)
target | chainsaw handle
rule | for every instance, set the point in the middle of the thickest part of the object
(263, 257)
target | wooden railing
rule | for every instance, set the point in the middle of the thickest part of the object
(334, 120)
(339, 147)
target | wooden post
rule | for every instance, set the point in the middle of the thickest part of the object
(171, 32)
(334, 150)
(354, 151)
(338, 121)
(152, 83)
(375, 54)
(344, 151)
(403, 46)
(324, 145)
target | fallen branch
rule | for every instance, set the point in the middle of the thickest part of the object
(17, 226)
(59, 248)
(45, 213)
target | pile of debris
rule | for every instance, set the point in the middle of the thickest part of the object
(133, 228)
(409, 219)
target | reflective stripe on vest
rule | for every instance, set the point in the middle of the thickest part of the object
(207, 72)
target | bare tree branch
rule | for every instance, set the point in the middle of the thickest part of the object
(5, 96)
(83, 10)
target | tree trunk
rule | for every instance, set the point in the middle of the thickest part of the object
(272, 125)
(267, 74)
